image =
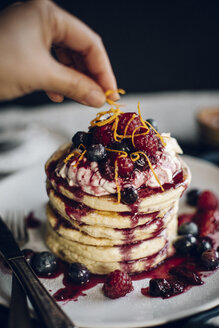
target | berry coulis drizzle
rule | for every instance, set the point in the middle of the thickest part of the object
(72, 291)
(164, 270)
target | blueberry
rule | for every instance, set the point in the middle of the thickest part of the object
(210, 259)
(165, 287)
(153, 123)
(192, 197)
(28, 254)
(80, 137)
(44, 263)
(129, 195)
(78, 273)
(203, 244)
(159, 287)
(187, 275)
(123, 146)
(96, 153)
(141, 163)
(188, 228)
(185, 245)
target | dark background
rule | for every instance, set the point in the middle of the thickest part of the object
(153, 45)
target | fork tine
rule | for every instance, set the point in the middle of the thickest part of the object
(15, 222)
(21, 229)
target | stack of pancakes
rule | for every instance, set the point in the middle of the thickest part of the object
(106, 235)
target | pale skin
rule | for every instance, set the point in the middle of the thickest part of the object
(28, 31)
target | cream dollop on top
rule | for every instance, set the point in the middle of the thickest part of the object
(89, 179)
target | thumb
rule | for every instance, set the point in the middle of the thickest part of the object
(73, 84)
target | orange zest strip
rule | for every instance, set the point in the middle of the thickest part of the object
(113, 114)
(80, 158)
(126, 128)
(146, 123)
(81, 145)
(134, 156)
(116, 181)
(76, 152)
(123, 153)
(110, 92)
(157, 134)
(111, 102)
(141, 134)
(115, 135)
(149, 163)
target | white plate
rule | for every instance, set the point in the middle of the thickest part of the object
(27, 190)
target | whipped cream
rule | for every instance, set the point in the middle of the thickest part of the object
(89, 179)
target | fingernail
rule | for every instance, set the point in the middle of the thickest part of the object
(115, 96)
(95, 99)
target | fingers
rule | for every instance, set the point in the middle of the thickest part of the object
(56, 97)
(70, 83)
(73, 33)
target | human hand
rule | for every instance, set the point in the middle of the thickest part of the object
(27, 33)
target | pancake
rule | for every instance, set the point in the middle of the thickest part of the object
(80, 213)
(114, 195)
(98, 235)
(133, 258)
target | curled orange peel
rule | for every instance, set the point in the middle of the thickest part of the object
(137, 156)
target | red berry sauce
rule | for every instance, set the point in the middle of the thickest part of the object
(31, 221)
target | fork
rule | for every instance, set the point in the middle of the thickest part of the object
(45, 306)
(19, 315)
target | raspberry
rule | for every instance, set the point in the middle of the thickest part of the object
(125, 166)
(148, 143)
(117, 284)
(123, 121)
(107, 166)
(207, 200)
(206, 221)
(102, 135)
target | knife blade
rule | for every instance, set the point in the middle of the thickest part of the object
(43, 303)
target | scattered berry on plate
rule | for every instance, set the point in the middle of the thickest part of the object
(192, 197)
(44, 263)
(210, 259)
(203, 244)
(182, 272)
(207, 200)
(206, 220)
(185, 245)
(117, 284)
(188, 228)
(165, 287)
(78, 273)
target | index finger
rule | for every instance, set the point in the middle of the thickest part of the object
(72, 32)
